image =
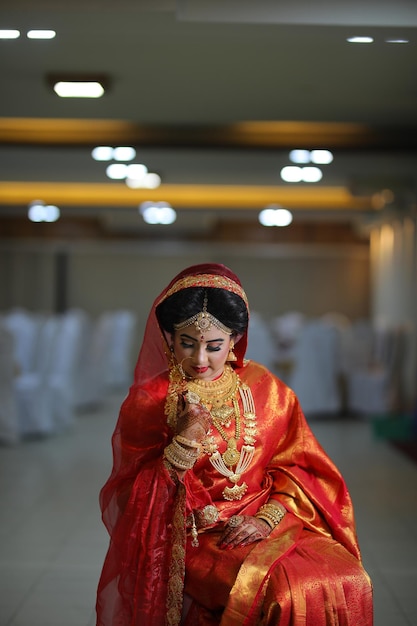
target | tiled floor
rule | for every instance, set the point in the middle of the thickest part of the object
(53, 543)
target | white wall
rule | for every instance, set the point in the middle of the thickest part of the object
(394, 292)
(100, 276)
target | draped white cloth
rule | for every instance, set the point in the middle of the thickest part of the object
(46, 396)
(121, 335)
(316, 374)
(261, 342)
(375, 374)
(9, 429)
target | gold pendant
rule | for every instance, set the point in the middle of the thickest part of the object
(235, 493)
(222, 413)
(232, 455)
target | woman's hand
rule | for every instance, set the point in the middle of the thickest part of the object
(242, 530)
(193, 421)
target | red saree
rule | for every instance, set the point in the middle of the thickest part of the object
(306, 573)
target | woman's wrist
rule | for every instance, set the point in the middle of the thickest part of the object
(180, 455)
(272, 513)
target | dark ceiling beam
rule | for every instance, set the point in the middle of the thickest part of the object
(256, 135)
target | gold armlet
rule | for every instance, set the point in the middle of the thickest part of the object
(272, 513)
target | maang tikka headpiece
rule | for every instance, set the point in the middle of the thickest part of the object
(203, 320)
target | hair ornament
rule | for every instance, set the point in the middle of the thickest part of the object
(203, 321)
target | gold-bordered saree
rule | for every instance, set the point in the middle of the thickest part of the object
(308, 572)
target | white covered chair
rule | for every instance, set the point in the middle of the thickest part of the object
(9, 428)
(46, 396)
(68, 360)
(92, 384)
(374, 383)
(121, 335)
(261, 343)
(316, 374)
(286, 329)
(24, 327)
(32, 391)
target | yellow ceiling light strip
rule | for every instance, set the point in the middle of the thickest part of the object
(183, 196)
(28, 130)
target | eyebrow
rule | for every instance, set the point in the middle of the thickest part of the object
(208, 341)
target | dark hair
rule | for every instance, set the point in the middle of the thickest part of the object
(226, 306)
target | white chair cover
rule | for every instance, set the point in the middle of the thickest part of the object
(9, 428)
(119, 365)
(92, 387)
(261, 342)
(32, 391)
(24, 326)
(374, 383)
(316, 374)
(286, 329)
(46, 397)
(69, 355)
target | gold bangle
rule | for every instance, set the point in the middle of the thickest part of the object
(183, 463)
(272, 513)
(189, 453)
(190, 443)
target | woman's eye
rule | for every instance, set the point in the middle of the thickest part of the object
(213, 348)
(186, 345)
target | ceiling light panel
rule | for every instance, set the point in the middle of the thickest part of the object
(66, 89)
(41, 34)
(9, 33)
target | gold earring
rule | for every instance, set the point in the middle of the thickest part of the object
(231, 356)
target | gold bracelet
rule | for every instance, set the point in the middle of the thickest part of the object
(189, 453)
(190, 443)
(272, 513)
(177, 461)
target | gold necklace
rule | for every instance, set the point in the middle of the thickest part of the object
(217, 394)
(231, 457)
(214, 395)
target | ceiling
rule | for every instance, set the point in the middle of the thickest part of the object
(213, 94)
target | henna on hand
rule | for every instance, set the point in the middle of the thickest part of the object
(242, 530)
(193, 421)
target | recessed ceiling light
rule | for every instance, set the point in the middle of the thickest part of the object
(78, 85)
(152, 180)
(275, 216)
(124, 153)
(321, 157)
(9, 33)
(397, 41)
(291, 174)
(296, 174)
(157, 213)
(41, 34)
(102, 153)
(136, 171)
(311, 174)
(117, 171)
(360, 39)
(39, 212)
(65, 89)
(300, 156)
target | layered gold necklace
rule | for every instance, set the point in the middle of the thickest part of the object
(220, 398)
